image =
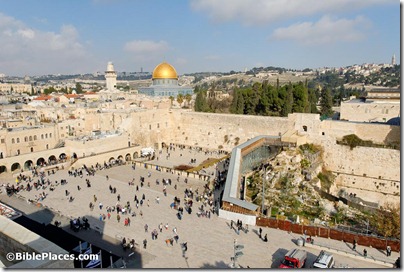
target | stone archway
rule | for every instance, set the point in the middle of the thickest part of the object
(28, 164)
(111, 159)
(52, 158)
(135, 155)
(62, 156)
(120, 157)
(3, 169)
(15, 166)
(164, 145)
(127, 157)
(40, 162)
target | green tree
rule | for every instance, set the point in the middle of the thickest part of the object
(300, 98)
(233, 105)
(201, 104)
(188, 98)
(387, 221)
(326, 102)
(288, 102)
(79, 89)
(171, 99)
(49, 90)
(313, 99)
(180, 99)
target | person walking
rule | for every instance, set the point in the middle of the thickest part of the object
(260, 233)
(144, 243)
(388, 251)
(118, 217)
(365, 253)
(354, 245)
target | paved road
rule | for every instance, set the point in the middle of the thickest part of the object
(210, 241)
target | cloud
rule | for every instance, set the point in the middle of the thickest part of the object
(146, 47)
(25, 50)
(326, 30)
(258, 12)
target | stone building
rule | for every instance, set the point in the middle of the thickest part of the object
(379, 105)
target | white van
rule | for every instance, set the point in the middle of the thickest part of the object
(324, 260)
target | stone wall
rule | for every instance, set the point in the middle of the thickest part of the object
(227, 130)
(126, 154)
(369, 112)
(379, 163)
(372, 173)
(378, 133)
(15, 238)
(88, 147)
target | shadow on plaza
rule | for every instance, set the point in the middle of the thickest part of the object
(278, 256)
(220, 264)
(42, 223)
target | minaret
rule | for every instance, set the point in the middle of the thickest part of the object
(110, 76)
(393, 60)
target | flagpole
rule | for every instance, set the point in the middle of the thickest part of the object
(110, 258)
(81, 261)
(101, 258)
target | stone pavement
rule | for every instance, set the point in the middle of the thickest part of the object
(210, 241)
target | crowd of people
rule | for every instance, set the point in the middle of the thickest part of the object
(128, 209)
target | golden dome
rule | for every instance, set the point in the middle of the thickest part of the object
(164, 70)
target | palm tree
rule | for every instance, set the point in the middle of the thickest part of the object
(180, 99)
(188, 98)
(172, 99)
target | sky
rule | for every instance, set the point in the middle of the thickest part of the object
(81, 36)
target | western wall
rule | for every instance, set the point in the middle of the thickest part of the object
(372, 173)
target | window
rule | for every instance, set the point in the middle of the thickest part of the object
(30, 138)
(50, 135)
(42, 136)
(46, 135)
(13, 141)
(47, 146)
(323, 133)
(150, 127)
(18, 141)
(35, 138)
(2, 141)
(25, 139)
(158, 125)
(32, 149)
(305, 128)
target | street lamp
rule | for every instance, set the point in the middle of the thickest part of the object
(264, 179)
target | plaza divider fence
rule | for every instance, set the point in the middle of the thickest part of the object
(335, 234)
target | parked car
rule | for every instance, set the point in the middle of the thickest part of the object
(295, 258)
(324, 260)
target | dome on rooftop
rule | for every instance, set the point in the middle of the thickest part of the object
(164, 71)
